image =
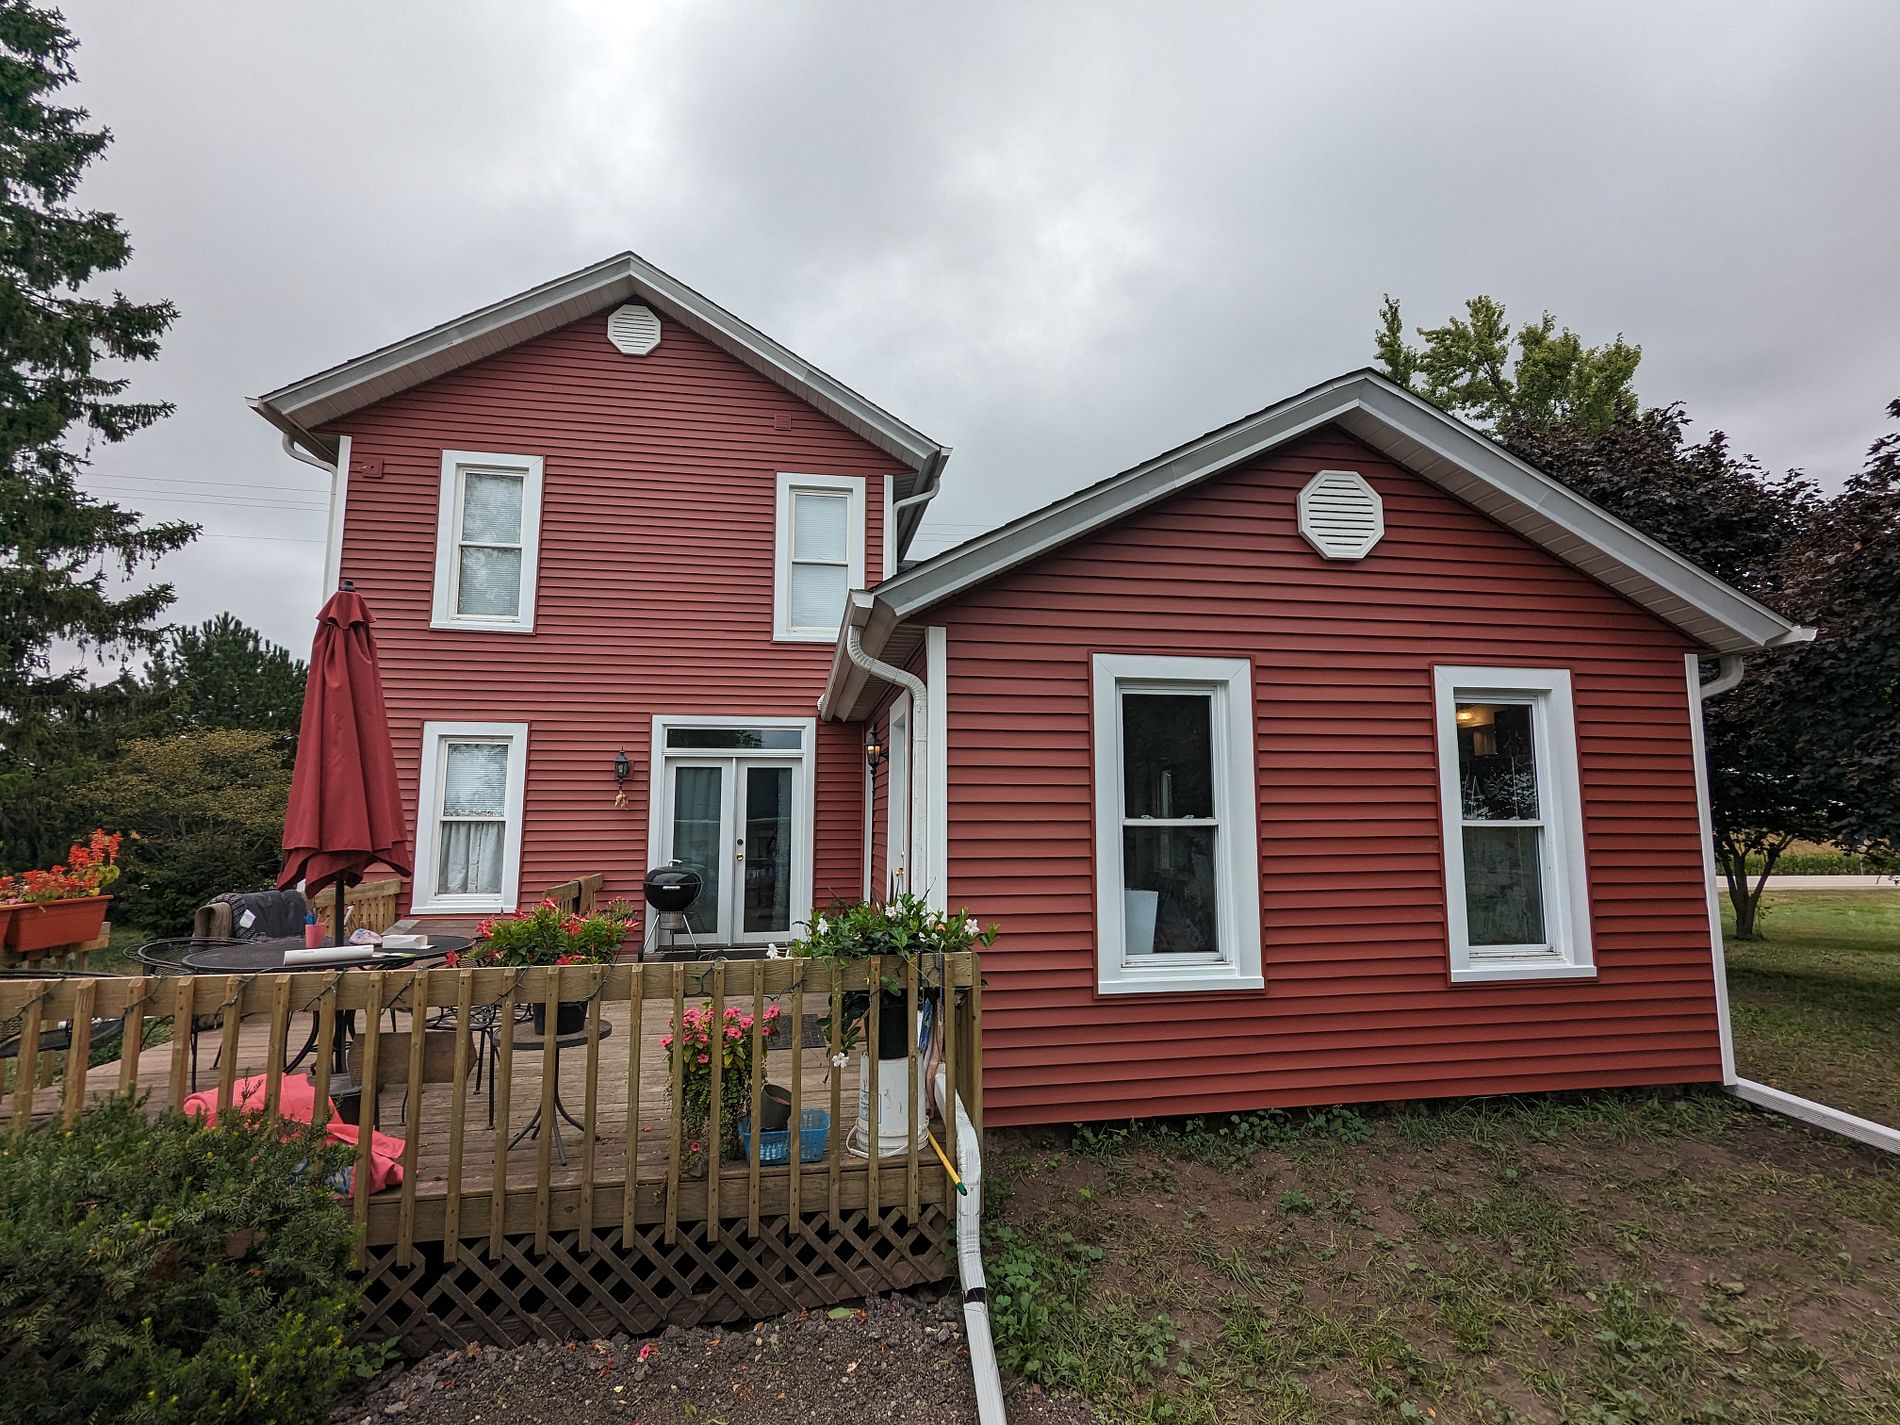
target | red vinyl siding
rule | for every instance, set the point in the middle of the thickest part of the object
(655, 588)
(1358, 1005)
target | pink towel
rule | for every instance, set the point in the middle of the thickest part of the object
(297, 1099)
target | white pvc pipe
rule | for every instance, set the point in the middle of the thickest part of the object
(976, 1307)
(919, 741)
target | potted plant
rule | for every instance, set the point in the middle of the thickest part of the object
(547, 935)
(64, 904)
(694, 1039)
(902, 929)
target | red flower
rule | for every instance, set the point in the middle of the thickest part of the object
(452, 959)
(567, 960)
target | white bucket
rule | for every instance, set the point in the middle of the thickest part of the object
(894, 1134)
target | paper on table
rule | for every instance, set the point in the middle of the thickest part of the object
(328, 955)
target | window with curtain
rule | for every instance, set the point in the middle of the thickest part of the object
(487, 541)
(474, 819)
(468, 824)
(820, 553)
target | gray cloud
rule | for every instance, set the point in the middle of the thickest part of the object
(1057, 237)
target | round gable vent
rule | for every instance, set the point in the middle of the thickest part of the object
(1341, 515)
(635, 330)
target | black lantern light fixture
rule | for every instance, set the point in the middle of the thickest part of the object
(873, 751)
(621, 768)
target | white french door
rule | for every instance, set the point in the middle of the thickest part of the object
(735, 821)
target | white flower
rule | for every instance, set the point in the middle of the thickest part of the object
(894, 911)
(823, 925)
(969, 925)
(838, 1061)
(772, 952)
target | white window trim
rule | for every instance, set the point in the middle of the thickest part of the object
(789, 485)
(1237, 808)
(804, 833)
(1566, 881)
(448, 532)
(424, 899)
(897, 792)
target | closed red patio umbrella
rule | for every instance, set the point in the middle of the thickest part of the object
(345, 810)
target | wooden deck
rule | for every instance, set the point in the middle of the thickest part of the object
(630, 1182)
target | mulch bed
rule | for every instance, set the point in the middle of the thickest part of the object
(891, 1358)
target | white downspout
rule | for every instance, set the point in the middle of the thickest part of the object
(976, 1302)
(1803, 1110)
(339, 474)
(919, 737)
(933, 485)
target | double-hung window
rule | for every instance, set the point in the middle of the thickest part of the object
(468, 832)
(820, 554)
(487, 546)
(1517, 903)
(1176, 868)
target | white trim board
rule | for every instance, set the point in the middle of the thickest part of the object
(1818, 1115)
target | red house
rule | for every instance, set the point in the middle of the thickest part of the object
(1337, 755)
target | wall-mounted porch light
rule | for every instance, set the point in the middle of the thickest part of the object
(621, 768)
(873, 751)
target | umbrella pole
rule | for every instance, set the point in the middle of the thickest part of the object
(340, 1039)
(339, 912)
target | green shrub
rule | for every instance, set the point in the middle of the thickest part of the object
(160, 1271)
(202, 813)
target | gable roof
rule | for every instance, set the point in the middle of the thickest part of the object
(301, 407)
(1392, 420)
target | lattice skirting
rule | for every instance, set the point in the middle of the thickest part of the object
(642, 1284)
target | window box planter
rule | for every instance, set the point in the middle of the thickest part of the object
(41, 925)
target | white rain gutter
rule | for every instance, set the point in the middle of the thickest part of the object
(976, 1300)
(919, 738)
(1802, 1110)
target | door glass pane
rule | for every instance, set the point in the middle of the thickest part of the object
(491, 508)
(1168, 901)
(698, 805)
(768, 851)
(818, 592)
(1504, 886)
(818, 526)
(1167, 755)
(490, 585)
(1497, 762)
(475, 779)
(739, 737)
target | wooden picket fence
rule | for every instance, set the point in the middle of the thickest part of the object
(489, 1237)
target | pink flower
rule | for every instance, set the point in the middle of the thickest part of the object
(746, 1023)
(646, 1351)
(666, 1041)
(452, 958)
(547, 904)
(771, 1011)
(705, 1058)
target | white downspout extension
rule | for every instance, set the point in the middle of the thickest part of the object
(919, 737)
(1818, 1115)
(976, 1302)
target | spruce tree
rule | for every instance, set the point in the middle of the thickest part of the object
(65, 558)
(224, 673)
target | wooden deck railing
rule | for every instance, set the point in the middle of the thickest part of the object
(576, 897)
(464, 1181)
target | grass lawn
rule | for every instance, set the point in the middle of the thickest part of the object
(1816, 1001)
(1614, 1261)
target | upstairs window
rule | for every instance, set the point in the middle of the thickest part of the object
(488, 536)
(820, 555)
(1176, 870)
(1517, 901)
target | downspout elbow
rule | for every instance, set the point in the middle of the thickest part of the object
(1728, 673)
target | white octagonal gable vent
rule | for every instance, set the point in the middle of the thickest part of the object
(635, 330)
(1341, 515)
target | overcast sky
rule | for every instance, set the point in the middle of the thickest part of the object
(1058, 238)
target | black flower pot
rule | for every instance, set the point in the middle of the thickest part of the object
(776, 1112)
(893, 1025)
(570, 1017)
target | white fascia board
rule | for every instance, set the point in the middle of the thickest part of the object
(1371, 405)
(330, 394)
